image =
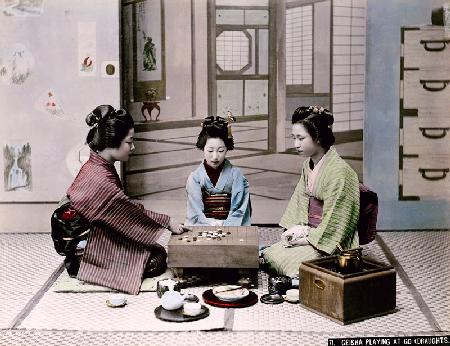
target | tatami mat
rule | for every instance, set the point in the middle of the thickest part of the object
(88, 311)
(29, 260)
(292, 317)
(425, 256)
(26, 263)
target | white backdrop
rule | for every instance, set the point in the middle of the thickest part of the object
(42, 51)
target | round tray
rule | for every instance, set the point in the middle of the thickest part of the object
(267, 299)
(211, 299)
(178, 316)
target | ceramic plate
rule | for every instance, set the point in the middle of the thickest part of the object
(230, 293)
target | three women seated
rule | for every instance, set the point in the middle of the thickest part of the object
(123, 248)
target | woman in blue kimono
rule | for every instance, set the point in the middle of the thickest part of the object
(217, 192)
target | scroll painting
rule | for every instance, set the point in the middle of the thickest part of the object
(17, 167)
(148, 50)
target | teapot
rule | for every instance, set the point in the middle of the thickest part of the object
(172, 300)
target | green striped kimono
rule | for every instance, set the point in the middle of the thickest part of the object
(337, 185)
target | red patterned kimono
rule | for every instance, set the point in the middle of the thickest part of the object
(123, 233)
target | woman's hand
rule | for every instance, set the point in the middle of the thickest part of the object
(216, 223)
(296, 235)
(177, 228)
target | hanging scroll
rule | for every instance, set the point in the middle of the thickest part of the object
(148, 47)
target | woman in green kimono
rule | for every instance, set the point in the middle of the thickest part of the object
(326, 177)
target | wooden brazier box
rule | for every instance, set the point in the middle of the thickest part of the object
(347, 298)
(215, 247)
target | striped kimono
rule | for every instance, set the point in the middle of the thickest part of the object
(336, 184)
(123, 233)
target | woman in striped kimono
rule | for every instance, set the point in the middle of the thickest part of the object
(217, 192)
(326, 177)
(122, 247)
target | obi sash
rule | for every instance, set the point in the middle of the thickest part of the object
(315, 212)
(217, 206)
(368, 213)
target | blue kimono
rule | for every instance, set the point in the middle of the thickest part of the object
(231, 180)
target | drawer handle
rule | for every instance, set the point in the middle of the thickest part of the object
(434, 88)
(424, 172)
(319, 284)
(434, 48)
(434, 132)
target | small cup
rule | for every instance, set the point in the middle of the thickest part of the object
(292, 295)
(163, 286)
(117, 299)
(279, 284)
(192, 309)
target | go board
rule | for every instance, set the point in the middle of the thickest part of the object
(215, 247)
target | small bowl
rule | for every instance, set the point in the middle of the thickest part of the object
(116, 300)
(192, 309)
(292, 295)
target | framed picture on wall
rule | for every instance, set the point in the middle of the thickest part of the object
(149, 70)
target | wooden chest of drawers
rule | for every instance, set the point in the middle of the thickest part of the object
(424, 153)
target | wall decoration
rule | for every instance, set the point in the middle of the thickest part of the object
(148, 50)
(23, 7)
(17, 167)
(87, 48)
(148, 32)
(76, 157)
(16, 64)
(48, 103)
(149, 54)
(110, 69)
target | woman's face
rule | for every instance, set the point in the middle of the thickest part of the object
(123, 152)
(303, 142)
(215, 151)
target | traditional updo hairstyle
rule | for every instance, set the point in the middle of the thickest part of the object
(317, 121)
(215, 127)
(108, 127)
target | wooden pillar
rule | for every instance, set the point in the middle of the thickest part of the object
(277, 76)
(212, 85)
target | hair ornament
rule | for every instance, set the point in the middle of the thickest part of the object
(317, 110)
(214, 121)
(230, 119)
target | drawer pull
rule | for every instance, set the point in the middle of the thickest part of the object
(443, 173)
(434, 88)
(434, 47)
(319, 284)
(434, 132)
